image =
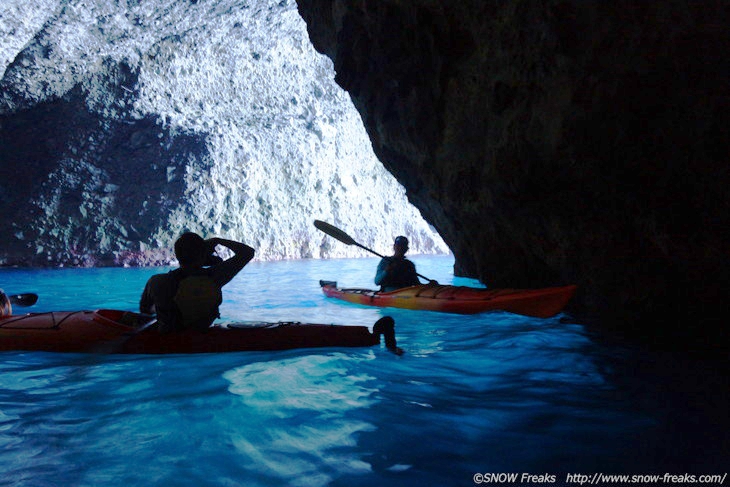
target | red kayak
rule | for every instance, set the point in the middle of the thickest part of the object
(115, 331)
(540, 303)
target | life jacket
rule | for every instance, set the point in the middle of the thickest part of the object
(402, 274)
(197, 299)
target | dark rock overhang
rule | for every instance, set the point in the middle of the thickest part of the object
(557, 142)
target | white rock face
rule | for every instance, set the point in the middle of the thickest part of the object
(283, 144)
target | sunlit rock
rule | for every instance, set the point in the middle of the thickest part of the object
(123, 125)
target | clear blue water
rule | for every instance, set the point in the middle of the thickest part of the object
(473, 394)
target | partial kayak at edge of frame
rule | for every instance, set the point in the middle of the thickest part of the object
(116, 331)
(539, 303)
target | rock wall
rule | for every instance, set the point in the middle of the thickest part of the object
(123, 124)
(556, 142)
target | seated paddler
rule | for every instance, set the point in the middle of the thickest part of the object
(189, 297)
(396, 272)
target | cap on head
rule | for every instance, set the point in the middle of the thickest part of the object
(401, 241)
(189, 249)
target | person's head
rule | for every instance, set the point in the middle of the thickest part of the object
(6, 309)
(400, 246)
(190, 250)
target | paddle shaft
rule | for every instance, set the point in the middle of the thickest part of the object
(369, 250)
(335, 232)
(113, 346)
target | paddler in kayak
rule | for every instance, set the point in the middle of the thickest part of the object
(189, 297)
(396, 272)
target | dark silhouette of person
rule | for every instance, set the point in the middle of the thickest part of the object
(396, 272)
(189, 297)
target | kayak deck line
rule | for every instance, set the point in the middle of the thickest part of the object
(18, 318)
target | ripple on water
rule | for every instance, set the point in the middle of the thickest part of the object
(491, 392)
(315, 418)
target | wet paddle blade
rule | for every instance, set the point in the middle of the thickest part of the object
(27, 299)
(334, 232)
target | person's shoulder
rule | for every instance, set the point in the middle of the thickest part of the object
(161, 279)
(157, 277)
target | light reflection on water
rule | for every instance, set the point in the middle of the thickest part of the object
(484, 393)
(309, 433)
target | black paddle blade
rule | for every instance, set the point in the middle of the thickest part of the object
(340, 235)
(334, 232)
(27, 299)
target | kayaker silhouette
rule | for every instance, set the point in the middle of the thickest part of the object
(396, 272)
(188, 297)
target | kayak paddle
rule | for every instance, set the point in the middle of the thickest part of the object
(335, 232)
(26, 299)
(116, 344)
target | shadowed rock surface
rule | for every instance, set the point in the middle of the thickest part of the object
(557, 142)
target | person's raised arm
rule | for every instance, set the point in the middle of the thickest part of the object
(227, 270)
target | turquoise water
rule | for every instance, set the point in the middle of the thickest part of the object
(490, 393)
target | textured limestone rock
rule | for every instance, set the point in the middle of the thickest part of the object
(553, 142)
(123, 124)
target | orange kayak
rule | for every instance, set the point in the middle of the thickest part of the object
(540, 303)
(115, 331)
